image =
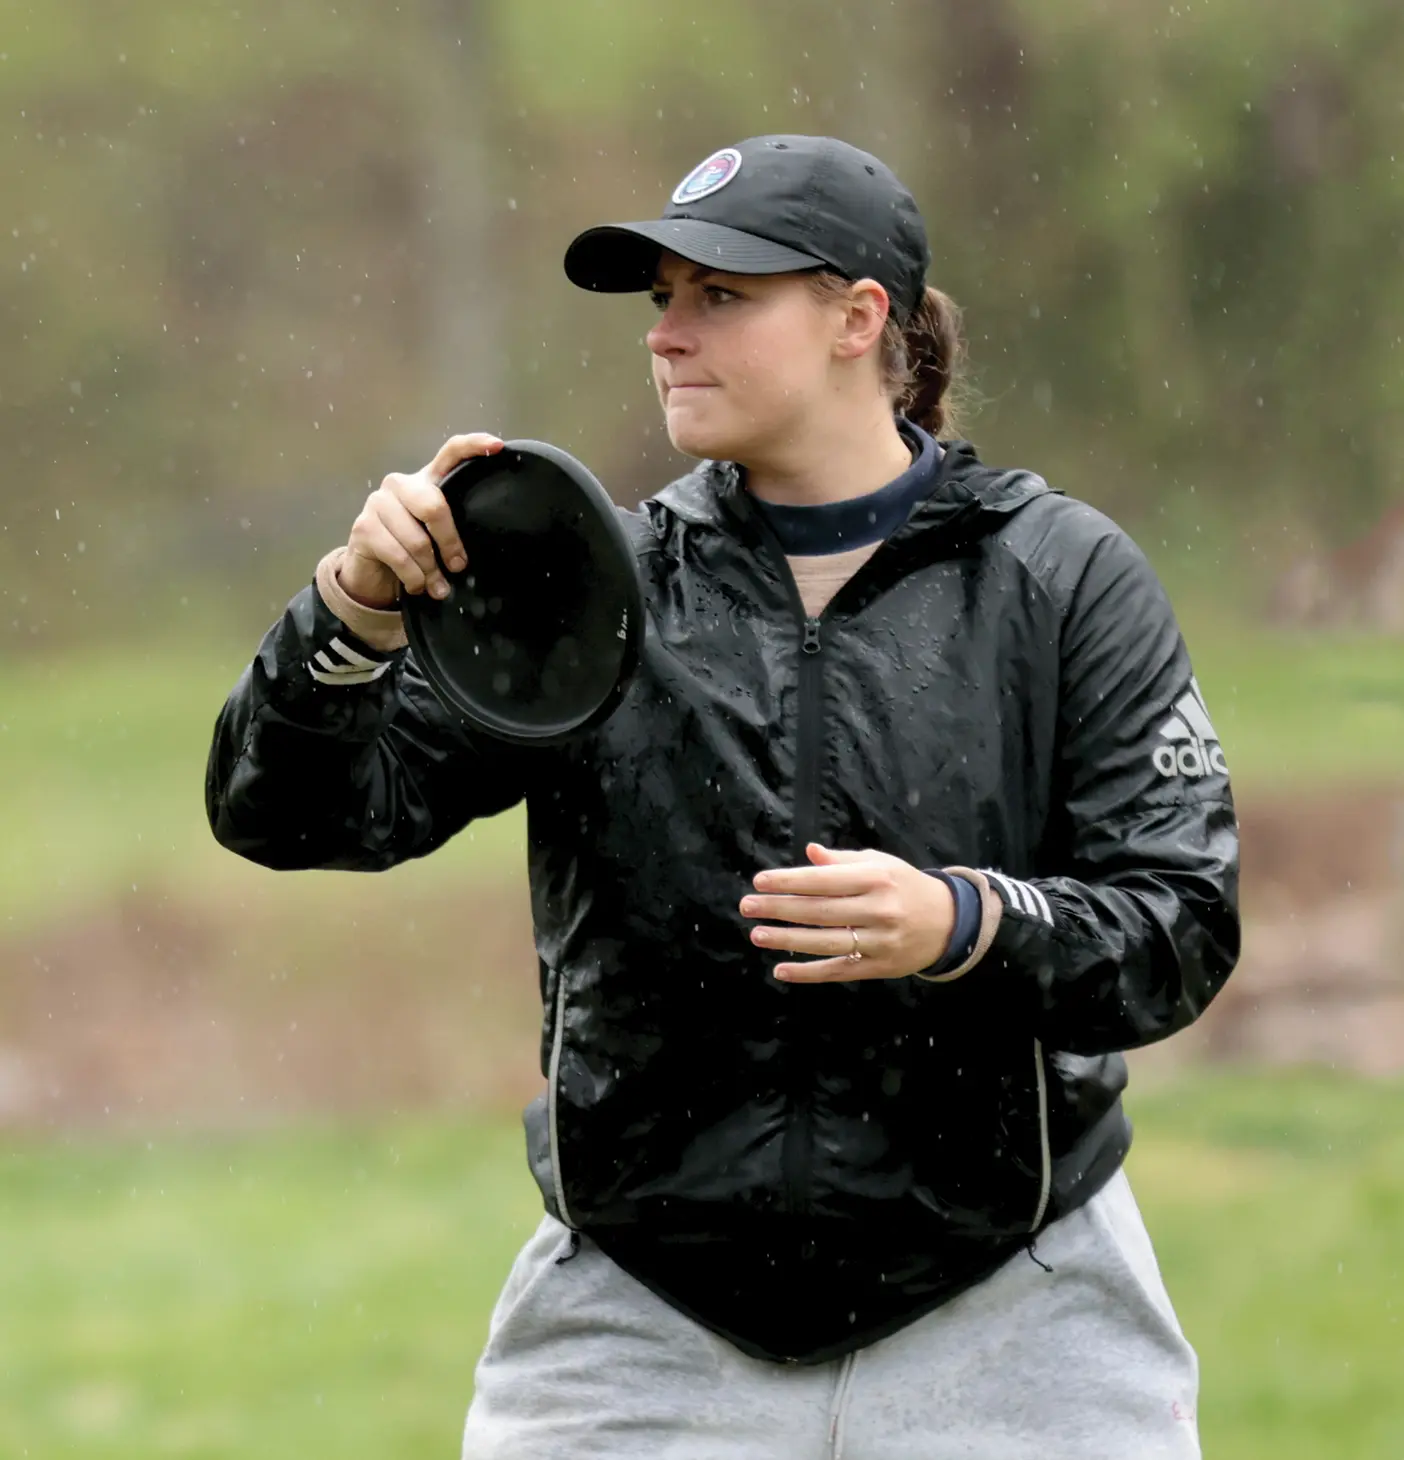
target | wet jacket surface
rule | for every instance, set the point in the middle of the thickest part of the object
(1001, 686)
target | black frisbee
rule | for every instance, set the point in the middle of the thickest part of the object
(540, 634)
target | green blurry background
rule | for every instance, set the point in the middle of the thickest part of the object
(260, 1172)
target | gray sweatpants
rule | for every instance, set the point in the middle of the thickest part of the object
(1085, 1363)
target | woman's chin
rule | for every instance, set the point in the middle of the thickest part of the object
(697, 433)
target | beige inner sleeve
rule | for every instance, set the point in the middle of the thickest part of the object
(380, 628)
(991, 911)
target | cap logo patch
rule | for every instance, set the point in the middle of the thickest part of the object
(708, 177)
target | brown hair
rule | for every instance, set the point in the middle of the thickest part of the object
(921, 362)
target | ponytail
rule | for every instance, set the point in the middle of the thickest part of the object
(922, 362)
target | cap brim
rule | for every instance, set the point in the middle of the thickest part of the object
(622, 258)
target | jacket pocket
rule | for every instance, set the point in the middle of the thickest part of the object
(977, 1134)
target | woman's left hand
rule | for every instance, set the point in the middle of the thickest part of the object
(900, 917)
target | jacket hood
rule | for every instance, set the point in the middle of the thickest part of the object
(966, 498)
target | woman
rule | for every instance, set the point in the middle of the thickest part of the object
(912, 820)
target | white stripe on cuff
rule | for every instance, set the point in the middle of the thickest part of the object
(352, 657)
(347, 676)
(1044, 911)
(1022, 896)
(352, 667)
(1006, 886)
(348, 664)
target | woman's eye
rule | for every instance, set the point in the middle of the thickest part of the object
(717, 295)
(659, 301)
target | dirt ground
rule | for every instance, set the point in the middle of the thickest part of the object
(1321, 979)
(394, 994)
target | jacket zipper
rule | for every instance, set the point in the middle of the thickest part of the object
(554, 1075)
(797, 1149)
(807, 740)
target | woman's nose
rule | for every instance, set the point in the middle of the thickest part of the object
(668, 336)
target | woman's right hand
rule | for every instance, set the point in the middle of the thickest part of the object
(392, 541)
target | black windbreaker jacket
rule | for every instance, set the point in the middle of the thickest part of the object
(1001, 686)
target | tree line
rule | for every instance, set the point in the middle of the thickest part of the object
(252, 257)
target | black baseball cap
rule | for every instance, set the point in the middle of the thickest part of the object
(772, 205)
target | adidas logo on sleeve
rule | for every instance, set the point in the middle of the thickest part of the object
(1191, 745)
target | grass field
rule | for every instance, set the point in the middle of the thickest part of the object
(324, 1291)
(102, 763)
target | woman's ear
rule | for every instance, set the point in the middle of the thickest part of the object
(864, 316)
